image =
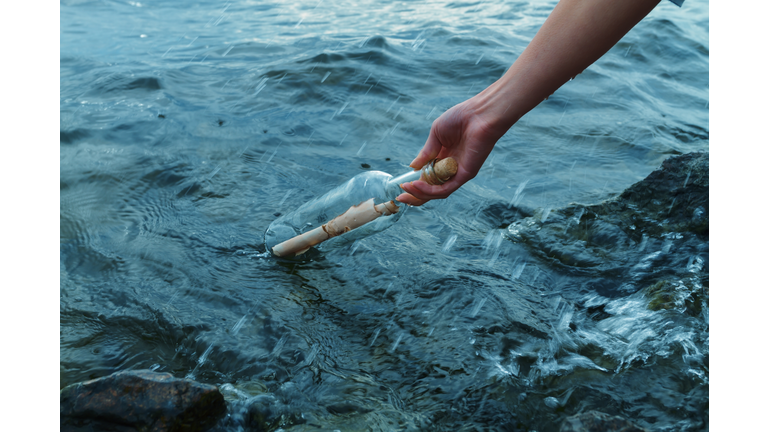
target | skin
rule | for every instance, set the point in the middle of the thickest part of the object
(575, 35)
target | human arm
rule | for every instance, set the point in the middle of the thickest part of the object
(575, 35)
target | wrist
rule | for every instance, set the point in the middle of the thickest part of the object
(496, 107)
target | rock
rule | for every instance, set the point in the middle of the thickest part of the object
(595, 421)
(622, 244)
(140, 400)
(677, 194)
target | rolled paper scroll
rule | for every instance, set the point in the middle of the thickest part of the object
(355, 217)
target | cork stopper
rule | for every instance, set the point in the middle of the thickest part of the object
(437, 172)
(446, 168)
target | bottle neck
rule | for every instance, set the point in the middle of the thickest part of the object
(426, 173)
(393, 185)
(406, 178)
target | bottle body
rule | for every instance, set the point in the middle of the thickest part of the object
(314, 213)
(364, 205)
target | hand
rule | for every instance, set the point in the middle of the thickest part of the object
(575, 35)
(462, 134)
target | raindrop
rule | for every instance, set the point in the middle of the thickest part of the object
(273, 154)
(477, 307)
(518, 270)
(518, 194)
(375, 335)
(236, 328)
(686, 178)
(327, 74)
(361, 148)
(340, 110)
(449, 243)
(285, 197)
(218, 167)
(492, 244)
(202, 358)
(545, 214)
(563, 115)
(397, 342)
(260, 87)
(392, 104)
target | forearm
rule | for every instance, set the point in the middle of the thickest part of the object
(575, 35)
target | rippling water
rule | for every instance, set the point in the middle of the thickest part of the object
(186, 128)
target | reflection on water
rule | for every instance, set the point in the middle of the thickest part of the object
(186, 131)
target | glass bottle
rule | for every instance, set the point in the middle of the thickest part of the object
(362, 206)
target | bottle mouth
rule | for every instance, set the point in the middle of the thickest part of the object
(430, 176)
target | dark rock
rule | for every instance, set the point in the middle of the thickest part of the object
(140, 400)
(677, 194)
(595, 421)
(612, 242)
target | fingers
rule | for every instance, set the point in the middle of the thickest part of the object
(410, 199)
(424, 192)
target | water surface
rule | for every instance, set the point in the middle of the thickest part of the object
(185, 129)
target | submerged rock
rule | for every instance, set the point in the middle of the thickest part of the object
(140, 400)
(595, 421)
(622, 244)
(675, 198)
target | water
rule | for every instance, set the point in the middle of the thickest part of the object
(186, 130)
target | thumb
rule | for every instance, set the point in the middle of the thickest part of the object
(430, 151)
